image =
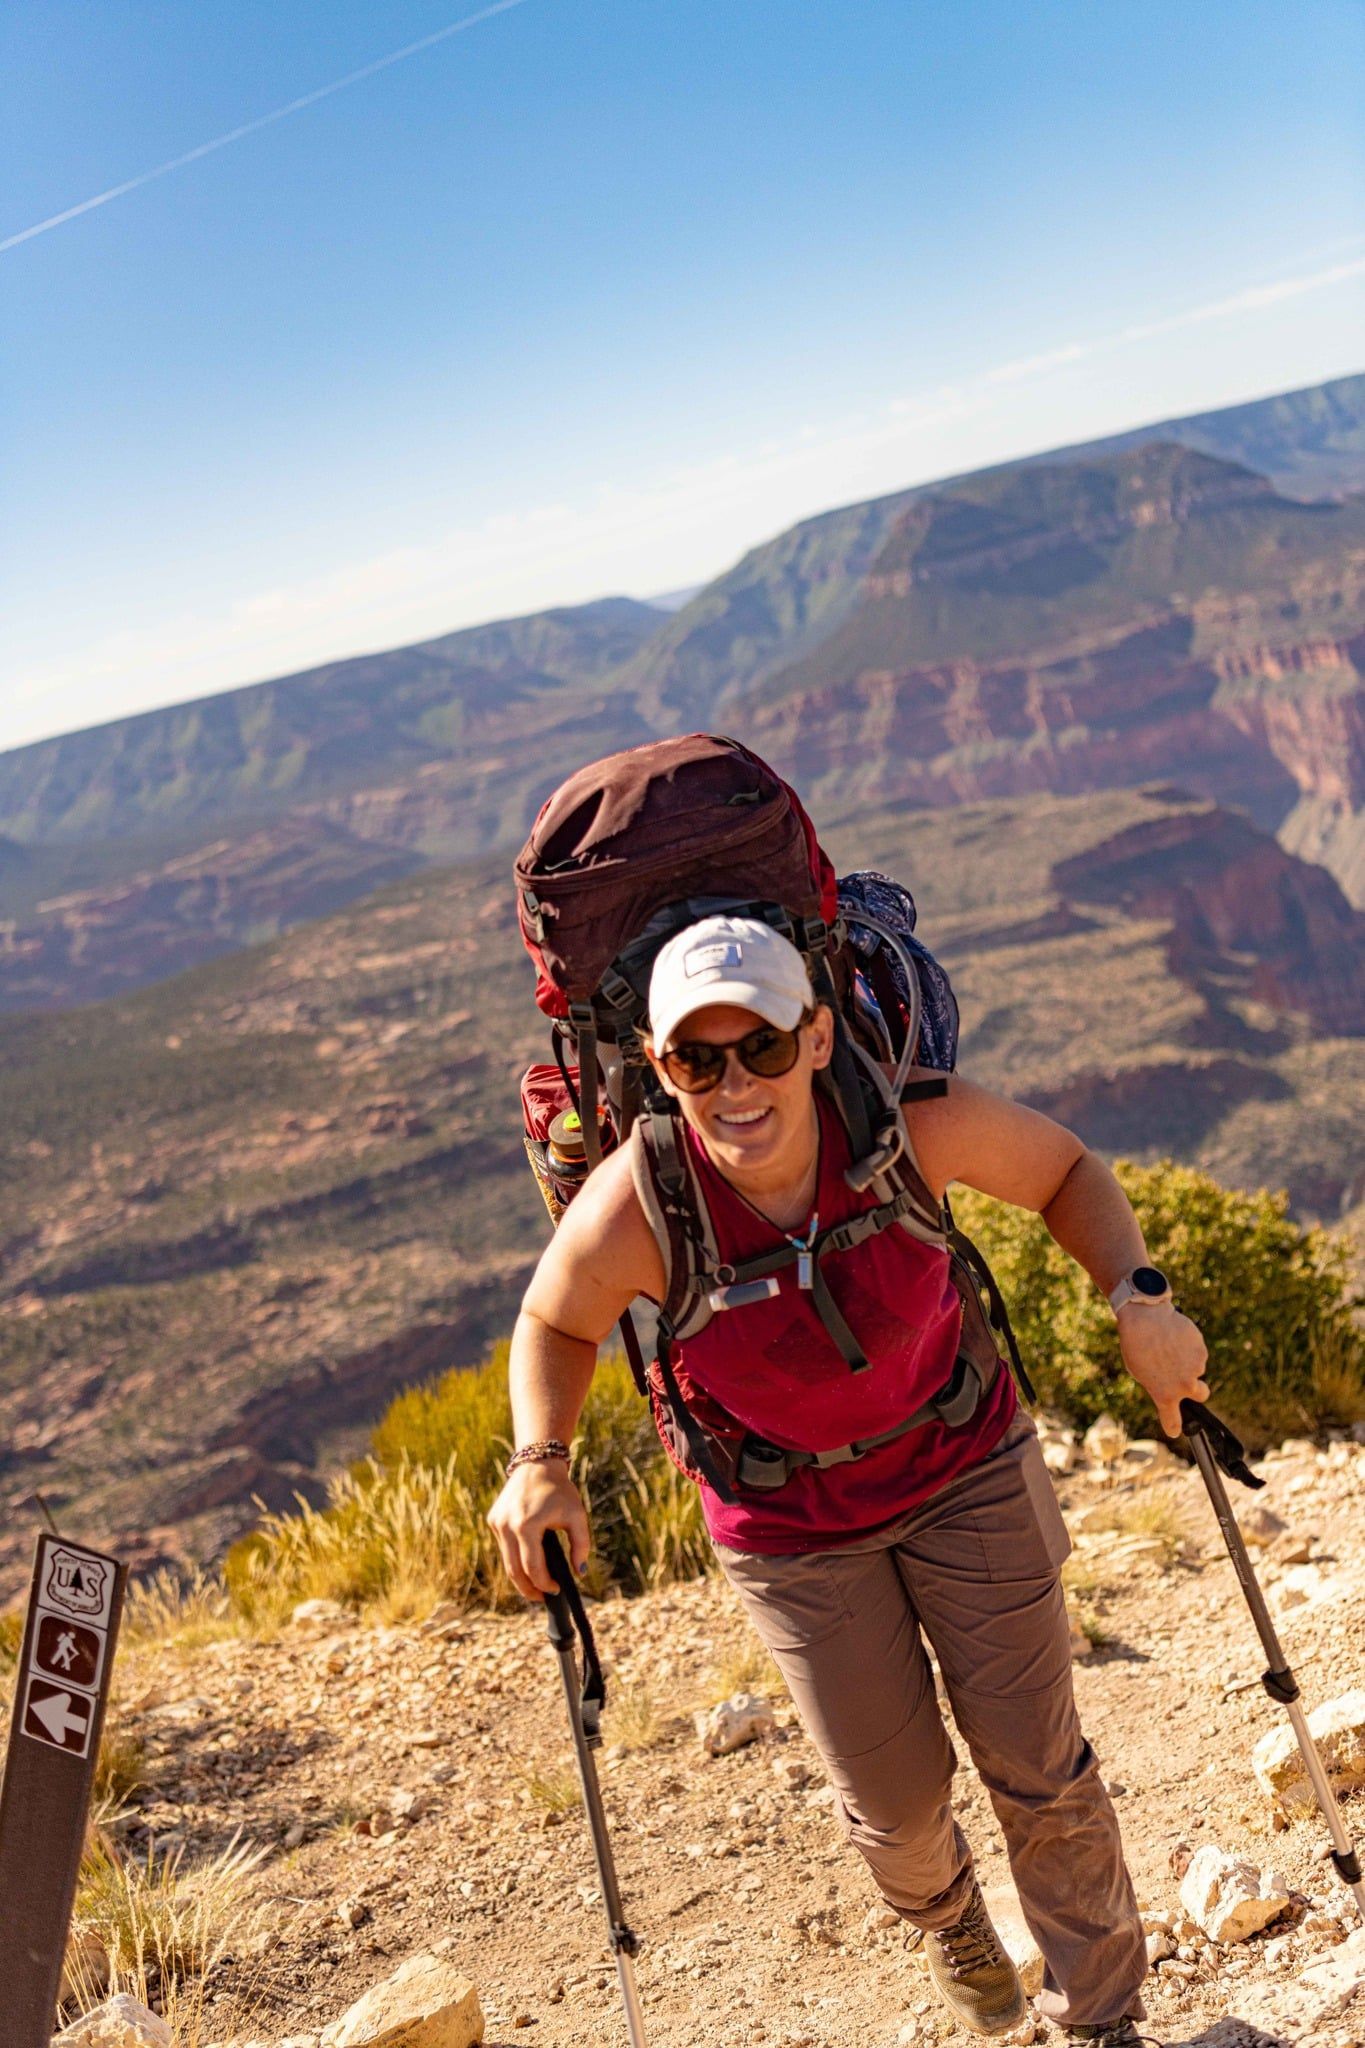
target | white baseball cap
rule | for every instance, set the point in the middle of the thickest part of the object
(727, 960)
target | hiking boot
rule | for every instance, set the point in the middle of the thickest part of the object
(972, 1973)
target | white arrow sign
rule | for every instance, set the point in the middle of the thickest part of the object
(57, 1717)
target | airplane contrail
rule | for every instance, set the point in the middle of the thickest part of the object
(307, 99)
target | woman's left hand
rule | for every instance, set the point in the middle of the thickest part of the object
(1165, 1354)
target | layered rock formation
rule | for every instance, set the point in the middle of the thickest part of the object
(1089, 619)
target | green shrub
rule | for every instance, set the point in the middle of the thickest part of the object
(1273, 1300)
(408, 1526)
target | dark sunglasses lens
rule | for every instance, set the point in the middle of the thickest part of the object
(769, 1052)
(695, 1068)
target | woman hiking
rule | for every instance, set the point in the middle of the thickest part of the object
(948, 1531)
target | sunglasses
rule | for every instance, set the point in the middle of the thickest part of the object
(696, 1067)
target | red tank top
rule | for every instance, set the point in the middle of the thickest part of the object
(772, 1366)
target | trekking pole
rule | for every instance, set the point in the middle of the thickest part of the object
(1212, 1444)
(566, 1617)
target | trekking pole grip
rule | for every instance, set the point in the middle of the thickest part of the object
(558, 1613)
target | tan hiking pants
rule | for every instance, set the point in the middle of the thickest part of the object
(975, 1568)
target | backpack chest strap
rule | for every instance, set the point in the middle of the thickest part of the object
(840, 1237)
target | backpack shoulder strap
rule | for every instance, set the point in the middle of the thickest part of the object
(678, 1216)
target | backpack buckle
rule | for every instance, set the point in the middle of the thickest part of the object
(958, 1400)
(616, 991)
(535, 917)
(843, 1454)
(761, 1465)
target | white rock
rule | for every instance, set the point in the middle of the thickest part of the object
(743, 1718)
(1146, 1457)
(880, 1919)
(792, 1772)
(1338, 1729)
(1303, 1585)
(1160, 1948)
(1228, 1896)
(1317, 1994)
(1019, 1945)
(121, 2022)
(1105, 1441)
(1059, 1451)
(320, 1617)
(424, 2004)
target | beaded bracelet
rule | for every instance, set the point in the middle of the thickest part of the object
(538, 1454)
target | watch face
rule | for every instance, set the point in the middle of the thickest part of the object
(1147, 1280)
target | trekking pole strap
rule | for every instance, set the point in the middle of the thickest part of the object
(567, 1619)
(1224, 1444)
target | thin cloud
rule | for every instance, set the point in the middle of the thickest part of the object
(307, 99)
(1250, 301)
(1033, 366)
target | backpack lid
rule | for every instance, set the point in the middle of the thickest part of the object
(699, 816)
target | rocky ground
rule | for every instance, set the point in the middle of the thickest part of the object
(414, 1791)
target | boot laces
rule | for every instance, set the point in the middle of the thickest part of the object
(971, 1943)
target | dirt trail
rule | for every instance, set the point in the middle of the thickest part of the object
(759, 1925)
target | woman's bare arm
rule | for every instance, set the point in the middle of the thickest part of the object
(1019, 1156)
(601, 1257)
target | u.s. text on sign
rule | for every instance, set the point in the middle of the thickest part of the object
(77, 1583)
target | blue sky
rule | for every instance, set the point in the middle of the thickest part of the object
(594, 294)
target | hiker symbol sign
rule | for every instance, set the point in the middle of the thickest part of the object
(65, 1650)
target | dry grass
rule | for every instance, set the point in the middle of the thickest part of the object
(665, 1534)
(160, 1927)
(1079, 1577)
(1151, 1514)
(748, 1667)
(556, 1790)
(634, 1718)
(390, 1543)
(119, 1764)
(167, 1612)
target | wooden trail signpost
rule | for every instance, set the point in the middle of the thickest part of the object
(61, 1688)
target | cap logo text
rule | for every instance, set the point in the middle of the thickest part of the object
(722, 953)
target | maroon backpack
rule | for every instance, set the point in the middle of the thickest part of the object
(631, 850)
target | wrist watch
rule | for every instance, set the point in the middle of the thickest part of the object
(1145, 1284)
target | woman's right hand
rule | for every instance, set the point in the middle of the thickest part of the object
(537, 1498)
